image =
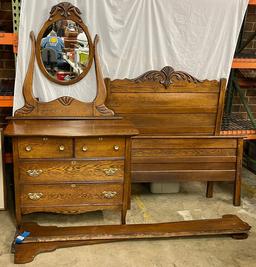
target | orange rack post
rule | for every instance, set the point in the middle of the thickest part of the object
(9, 39)
(6, 101)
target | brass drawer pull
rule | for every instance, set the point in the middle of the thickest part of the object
(62, 148)
(34, 173)
(84, 148)
(35, 196)
(109, 194)
(28, 148)
(116, 147)
(110, 171)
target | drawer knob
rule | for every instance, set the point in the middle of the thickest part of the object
(116, 147)
(28, 148)
(62, 148)
(109, 194)
(84, 148)
(73, 185)
(34, 173)
(110, 171)
(35, 196)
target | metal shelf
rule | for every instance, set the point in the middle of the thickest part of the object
(234, 124)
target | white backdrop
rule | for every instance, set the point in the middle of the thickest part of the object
(197, 36)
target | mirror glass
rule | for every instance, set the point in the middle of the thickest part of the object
(64, 50)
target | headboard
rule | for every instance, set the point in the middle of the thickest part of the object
(169, 102)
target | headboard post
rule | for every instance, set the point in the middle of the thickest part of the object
(220, 106)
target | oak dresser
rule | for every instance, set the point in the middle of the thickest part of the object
(71, 166)
(69, 156)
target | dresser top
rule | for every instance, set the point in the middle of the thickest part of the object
(70, 128)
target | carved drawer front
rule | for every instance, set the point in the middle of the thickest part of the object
(71, 194)
(75, 170)
(45, 147)
(99, 147)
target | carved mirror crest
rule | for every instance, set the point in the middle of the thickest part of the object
(64, 48)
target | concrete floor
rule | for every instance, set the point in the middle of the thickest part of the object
(189, 204)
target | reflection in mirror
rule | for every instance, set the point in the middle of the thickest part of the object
(64, 50)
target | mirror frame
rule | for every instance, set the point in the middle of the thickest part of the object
(58, 12)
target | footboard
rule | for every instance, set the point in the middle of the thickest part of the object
(184, 159)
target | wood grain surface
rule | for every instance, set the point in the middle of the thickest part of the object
(71, 194)
(70, 128)
(100, 147)
(44, 147)
(45, 238)
(182, 108)
(71, 171)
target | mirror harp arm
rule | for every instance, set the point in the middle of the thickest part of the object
(100, 108)
(27, 88)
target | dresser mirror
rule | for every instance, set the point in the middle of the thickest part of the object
(65, 53)
(64, 48)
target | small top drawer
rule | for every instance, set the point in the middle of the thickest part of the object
(45, 147)
(99, 147)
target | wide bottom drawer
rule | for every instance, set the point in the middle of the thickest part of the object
(71, 194)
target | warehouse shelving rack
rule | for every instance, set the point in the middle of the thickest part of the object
(241, 61)
(10, 39)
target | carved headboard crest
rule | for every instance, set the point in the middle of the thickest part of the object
(165, 76)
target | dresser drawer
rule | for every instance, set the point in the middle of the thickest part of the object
(45, 147)
(66, 171)
(71, 194)
(99, 147)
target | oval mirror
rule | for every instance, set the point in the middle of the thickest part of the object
(64, 50)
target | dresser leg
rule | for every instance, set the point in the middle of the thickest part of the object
(18, 220)
(209, 189)
(123, 216)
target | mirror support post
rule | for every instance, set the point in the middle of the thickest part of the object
(27, 89)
